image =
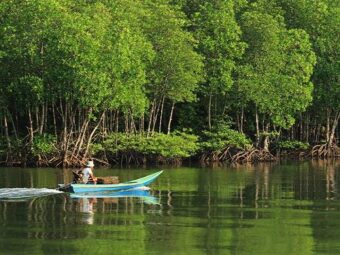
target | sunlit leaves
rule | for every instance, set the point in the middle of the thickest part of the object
(277, 66)
(218, 34)
(321, 20)
(176, 69)
(175, 145)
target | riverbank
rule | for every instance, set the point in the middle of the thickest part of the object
(228, 146)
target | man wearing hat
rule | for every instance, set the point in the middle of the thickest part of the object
(87, 173)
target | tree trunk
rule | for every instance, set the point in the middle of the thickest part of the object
(63, 114)
(209, 111)
(37, 110)
(292, 133)
(161, 116)
(64, 143)
(80, 135)
(257, 128)
(155, 117)
(170, 117)
(337, 132)
(8, 140)
(331, 141)
(318, 131)
(266, 138)
(54, 122)
(151, 117)
(133, 128)
(42, 120)
(301, 126)
(91, 136)
(307, 127)
(117, 121)
(242, 119)
(46, 116)
(328, 124)
(104, 126)
(30, 129)
(127, 129)
(13, 125)
(80, 118)
(141, 126)
(83, 133)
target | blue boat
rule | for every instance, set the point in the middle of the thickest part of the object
(141, 182)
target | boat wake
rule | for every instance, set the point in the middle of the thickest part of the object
(25, 193)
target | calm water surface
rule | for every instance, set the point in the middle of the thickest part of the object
(287, 208)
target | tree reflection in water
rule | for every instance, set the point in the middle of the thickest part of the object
(282, 208)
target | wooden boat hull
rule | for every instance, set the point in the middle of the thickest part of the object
(78, 188)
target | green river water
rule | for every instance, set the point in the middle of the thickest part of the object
(286, 208)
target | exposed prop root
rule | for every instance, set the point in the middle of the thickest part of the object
(238, 156)
(325, 151)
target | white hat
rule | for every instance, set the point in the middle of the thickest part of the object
(90, 163)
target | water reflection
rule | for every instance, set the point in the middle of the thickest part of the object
(89, 203)
(144, 195)
(287, 208)
(86, 207)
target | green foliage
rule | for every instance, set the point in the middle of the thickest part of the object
(16, 149)
(175, 145)
(293, 145)
(221, 137)
(272, 134)
(176, 69)
(96, 148)
(214, 25)
(219, 41)
(63, 49)
(64, 62)
(277, 65)
(321, 20)
(44, 144)
(28, 90)
(130, 54)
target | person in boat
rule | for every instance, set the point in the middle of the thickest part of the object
(87, 175)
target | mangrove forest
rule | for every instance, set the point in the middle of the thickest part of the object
(162, 81)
